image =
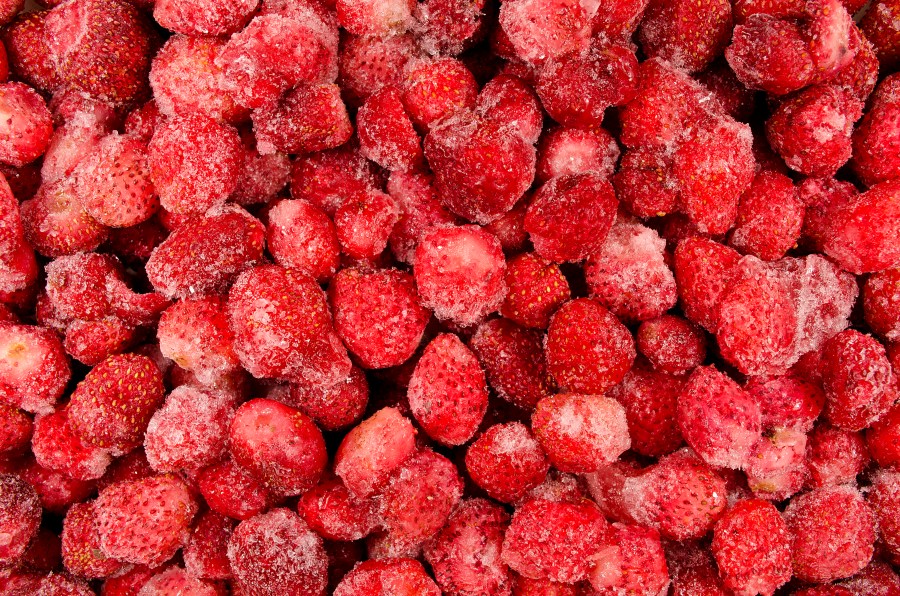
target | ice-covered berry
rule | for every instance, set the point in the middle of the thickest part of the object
(386, 133)
(375, 17)
(57, 446)
(879, 25)
(230, 490)
(770, 54)
(635, 562)
(197, 17)
(81, 552)
(834, 456)
(283, 329)
(769, 218)
(884, 499)
(34, 369)
(20, 516)
(335, 514)
(369, 63)
(687, 34)
(672, 344)
(537, 288)
(28, 53)
(877, 137)
(364, 224)
(881, 303)
(308, 118)
(540, 31)
(336, 407)
(279, 445)
(568, 151)
(392, 576)
(206, 553)
(506, 461)
(650, 399)
(301, 236)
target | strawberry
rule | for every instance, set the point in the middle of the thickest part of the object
(634, 562)
(832, 532)
(879, 25)
(29, 55)
(301, 236)
(56, 490)
(367, 64)
(263, 176)
(278, 445)
(112, 406)
(327, 178)
(299, 344)
(420, 209)
(144, 521)
(539, 31)
(92, 342)
(27, 124)
(434, 90)
(174, 580)
(769, 217)
(447, 391)
(375, 17)
(20, 516)
(15, 430)
(874, 140)
(333, 408)
(309, 118)
(33, 368)
(333, 513)
(277, 553)
(671, 344)
(131, 466)
(645, 182)
(507, 461)
(786, 68)
(565, 151)
(506, 98)
(55, 223)
(57, 446)
(364, 223)
(207, 254)
(81, 544)
(386, 133)
(650, 398)
(752, 547)
(231, 491)
(884, 502)
(206, 553)
(537, 287)
(835, 456)
(198, 17)
(555, 541)
(101, 47)
(395, 576)
(588, 349)
(689, 35)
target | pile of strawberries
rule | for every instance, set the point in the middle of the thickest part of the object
(461, 297)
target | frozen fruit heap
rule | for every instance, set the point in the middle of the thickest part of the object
(423, 297)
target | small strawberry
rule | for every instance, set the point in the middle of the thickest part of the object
(197, 17)
(634, 562)
(327, 178)
(15, 430)
(194, 333)
(367, 64)
(394, 575)
(144, 521)
(386, 133)
(835, 456)
(333, 513)
(537, 288)
(333, 408)
(687, 34)
(57, 446)
(364, 224)
(56, 224)
(769, 217)
(507, 461)
(112, 406)
(879, 25)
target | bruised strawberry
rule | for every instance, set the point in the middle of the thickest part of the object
(144, 521)
(101, 47)
(112, 406)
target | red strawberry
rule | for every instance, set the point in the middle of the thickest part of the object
(231, 491)
(375, 17)
(81, 544)
(538, 31)
(364, 223)
(206, 554)
(447, 391)
(420, 210)
(386, 133)
(56, 224)
(645, 182)
(506, 98)
(635, 562)
(327, 178)
(876, 137)
(771, 54)
(57, 446)
(507, 461)
(333, 513)
(15, 430)
(309, 118)
(174, 580)
(101, 47)
(752, 548)
(769, 217)
(566, 151)
(144, 521)
(650, 399)
(395, 576)
(536, 288)
(835, 456)
(671, 344)
(29, 55)
(20, 515)
(368, 64)
(879, 25)
(277, 553)
(33, 367)
(111, 407)
(434, 90)
(333, 408)
(884, 499)
(27, 125)
(193, 17)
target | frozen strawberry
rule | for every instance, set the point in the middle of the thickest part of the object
(629, 275)
(197, 17)
(555, 541)
(15, 430)
(524, 586)
(276, 52)
(877, 578)
(569, 151)
(186, 80)
(277, 553)
(111, 407)
(618, 19)
(580, 433)
(375, 17)
(645, 182)
(325, 179)
(279, 445)
(419, 209)
(415, 504)
(680, 496)
(131, 466)
(757, 319)
(858, 380)
(263, 176)
(576, 89)
(506, 461)
(434, 90)
(752, 548)
(879, 24)
(309, 118)
(507, 99)
(736, 100)
(333, 513)
(671, 344)
(57, 446)
(461, 145)
(189, 431)
(175, 580)
(77, 286)
(20, 516)
(540, 31)
(860, 75)
(883, 439)
(195, 334)
(135, 244)
(336, 407)
(770, 54)
(144, 521)
(364, 223)
(34, 369)
(877, 137)
(588, 199)
(588, 350)
(206, 553)
(786, 402)
(300, 236)
(128, 583)
(459, 570)
(447, 391)
(449, 26)
(92, 342)
(537, 287)
(460, 273)
(56, 490)
(686, 34)
(832, 531)
(44, 551)
(718, 419)
(195, 163)
(834, 456)
(650, 398)
(811, 131)
(884, 499)
(390, 297)
(509, 228)
(27, 126)
(560, 487)
(68, 146)
(386, 134)
(393, 576)
(634, 562)
(693, 570)
(231, 491)
(283, 328)
(881, 303)
(81, 552)
(29, 56)
(143, 120)
(56, 224)
(372, 450)
(101, 47)
(369, 63)
(776, 465)
(769, 218)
